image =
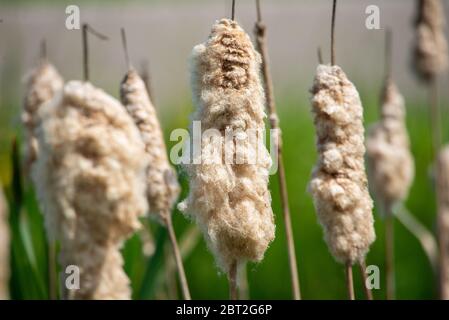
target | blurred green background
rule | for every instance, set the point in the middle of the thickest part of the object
(163, 33)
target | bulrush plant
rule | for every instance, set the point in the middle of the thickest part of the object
(90, 183)
(390, 163)
(443, 216)
(229, 199)
(431, 59)
(161, 180)
(42, 83)
(339, 184)
(4, 248)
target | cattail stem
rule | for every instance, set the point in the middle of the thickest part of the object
(178, 258)
(52, 276)
(368, 292)
(233, 10)
(261, 42)
(435, 119)
(232, 278)
(125, 48)
(243, 288)
(334, 8)
(389, 256)
(349, 281)
(87, 28)
(320, 55)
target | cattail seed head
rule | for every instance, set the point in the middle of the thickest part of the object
(390, 163)
(431, 50)
(339, 185)
(42, 84)
(162, 184)
(90, 183)
(4, 248)
(230, 202)
(443, 217)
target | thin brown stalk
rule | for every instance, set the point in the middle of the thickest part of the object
(232, 278)
(52, 273)
(243, 282)
(87, 28)
(334, 9)
(320, 55)
(261, 42)
(233, 10)
(178, 259)
(389, 257)
(349, 281)
(368, 292)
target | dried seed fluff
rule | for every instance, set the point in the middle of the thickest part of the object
(162, 184)
(90, 182)
(339, 184)
(431, 50)
(4, 248)
(390, 164)
(443, 216)
(42, 83)
(230, 202)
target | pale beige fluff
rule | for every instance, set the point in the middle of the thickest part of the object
(390, 164)
(431, 50)
(42, 83)
(339, 184)
(443, 217)
(4, 248)
(230, 202)
(90, 182)
(162, 184)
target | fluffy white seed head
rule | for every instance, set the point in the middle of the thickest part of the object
(230, 202)
(431, 49)
(162, 184)
(4, 248)
(390, 164)
(90, 182)
(42, 83)
(339, 185)
(443, 217)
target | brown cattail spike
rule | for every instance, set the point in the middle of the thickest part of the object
(230, 201)
(89, 178)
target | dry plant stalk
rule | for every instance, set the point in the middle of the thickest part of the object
(431, 49)
(390, 163)
(230, 201)
(261, 42)
(161, 180)
(4, 248)
(90, 183)
(443, 219)
(339, 183)
(42, 83)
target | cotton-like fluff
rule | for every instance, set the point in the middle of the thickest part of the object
(42, 83)
(339, 184)
(230, 202)
(431, 50)
(162, 184)
(4, 248)
(390, 164)
(90, 182)
(443, 217)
